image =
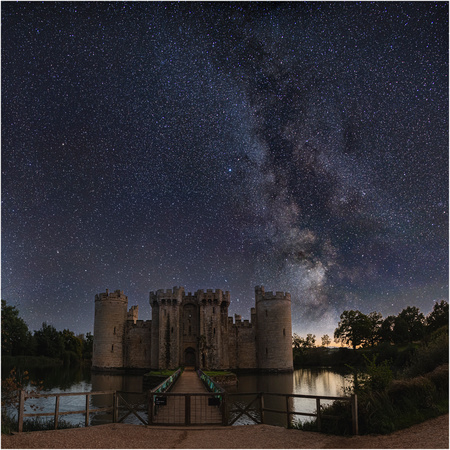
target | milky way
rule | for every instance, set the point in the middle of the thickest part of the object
(301, 146)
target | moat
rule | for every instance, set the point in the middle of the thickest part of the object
(302, 381)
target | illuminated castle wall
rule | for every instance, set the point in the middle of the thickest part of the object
(193, 330)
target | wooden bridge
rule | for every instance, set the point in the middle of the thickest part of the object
(188, 403)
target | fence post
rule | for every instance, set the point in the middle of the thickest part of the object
(187, 409)
(56, 412)
(354, 402)
(115, 406)
(150, 408)
(288, 414)
(261, 405)
(88, 397)
(21, 408)
(319, 418)
(224, 409)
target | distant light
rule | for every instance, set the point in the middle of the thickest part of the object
(229, 170)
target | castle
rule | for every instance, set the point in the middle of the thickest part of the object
(193, 330)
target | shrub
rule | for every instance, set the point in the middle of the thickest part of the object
(430, 355)
(415, 392)
(439, 377)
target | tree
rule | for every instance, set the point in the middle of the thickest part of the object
(409, 325)
(353, 329)
(15, 334)
(300, 343)
(72, 343)
(386, 331)
(438, 317)
(326, 341)
(49, 342)
(88, 345)
(375, 319)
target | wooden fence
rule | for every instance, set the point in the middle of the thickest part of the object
(23, 395)
(353, 400)
(224, 402)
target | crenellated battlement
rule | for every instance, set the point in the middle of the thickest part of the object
(167, 296)
(260, 294)
(116, 295)
(177, 295)
(238, 322)
(140, 324)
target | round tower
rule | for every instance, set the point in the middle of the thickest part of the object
(109, 324)
(273, 330)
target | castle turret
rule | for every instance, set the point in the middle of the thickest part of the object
(274, 330)
(109, 324)
(165, 327)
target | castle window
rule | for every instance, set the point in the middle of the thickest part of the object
(112, 348)
(284, 331)
(266, 312)
(171, 330)
(267, 351)
(114, 330)
(189, 330)
(214, 331)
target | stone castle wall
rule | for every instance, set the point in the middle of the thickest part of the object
(274, 330)
(109, 327)
(138, 344)
(193, 329)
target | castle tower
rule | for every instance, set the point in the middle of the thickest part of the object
(273, 330)
(213, 328)
(109, 326)
(166, 333)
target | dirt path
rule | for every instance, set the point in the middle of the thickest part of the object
(431, 434)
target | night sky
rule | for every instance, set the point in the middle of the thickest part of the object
(299, 146)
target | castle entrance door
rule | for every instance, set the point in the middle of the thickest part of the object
(189, 357)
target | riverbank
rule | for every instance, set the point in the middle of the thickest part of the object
(433, 433)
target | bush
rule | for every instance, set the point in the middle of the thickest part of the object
(429, 355)
(415, 392)
(439, 377)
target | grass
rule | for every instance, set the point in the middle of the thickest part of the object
(160, 373)
(218, 373)
(36, 424)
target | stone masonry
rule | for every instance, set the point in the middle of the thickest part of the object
(193, 329)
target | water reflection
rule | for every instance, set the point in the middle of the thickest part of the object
(131, 388)
(282, 383)
(303, 381)
(316, 382)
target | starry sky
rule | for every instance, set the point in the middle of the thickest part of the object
(299, 146)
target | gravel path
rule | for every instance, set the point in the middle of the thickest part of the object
(430, 434)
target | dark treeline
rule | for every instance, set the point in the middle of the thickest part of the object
(65, 346)
(394, 338)
(399, 368)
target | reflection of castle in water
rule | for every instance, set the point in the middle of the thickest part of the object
(128, 385)
(280, 383)
(193, 329)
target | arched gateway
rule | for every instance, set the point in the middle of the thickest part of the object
(189, 357)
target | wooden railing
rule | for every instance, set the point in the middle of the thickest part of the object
(168, 382)
(260, 396)
(23, 395)
(224, 404)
